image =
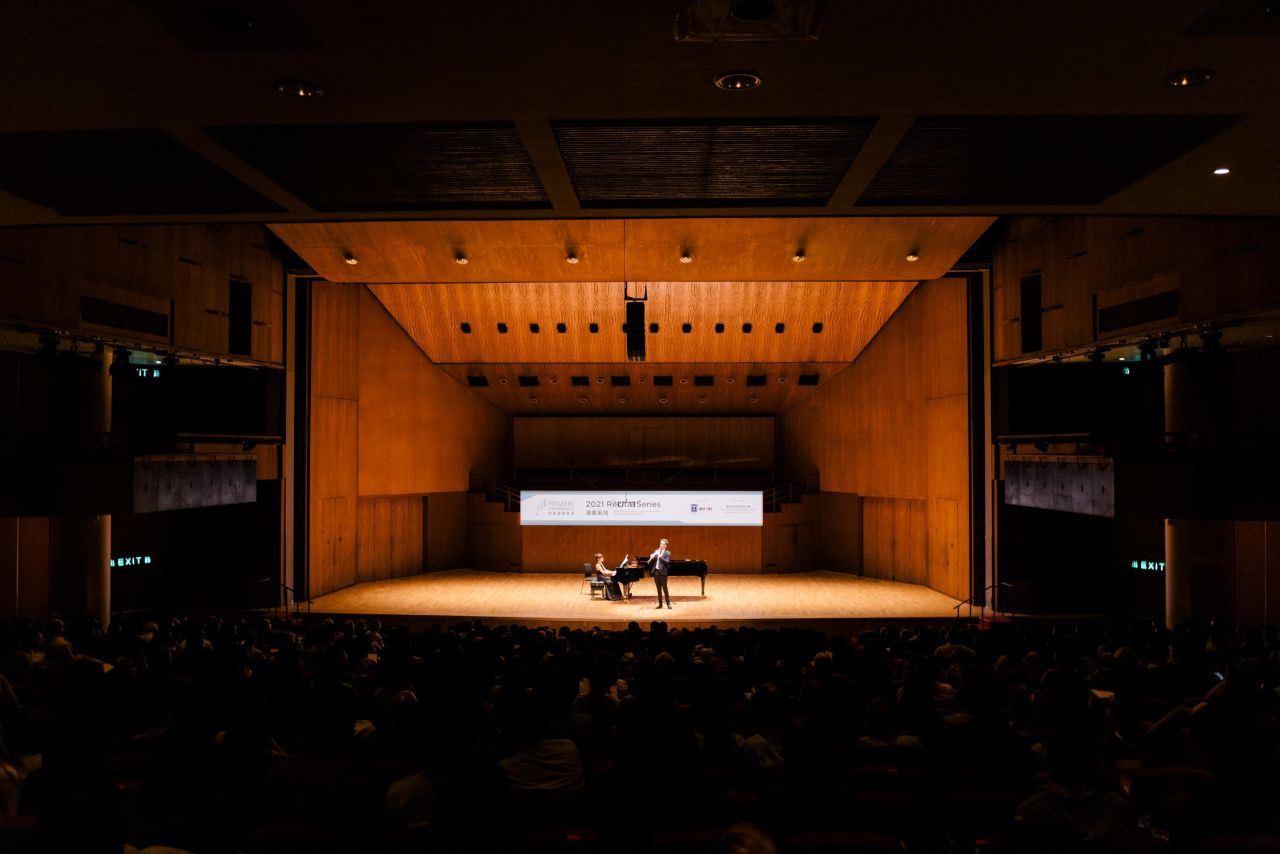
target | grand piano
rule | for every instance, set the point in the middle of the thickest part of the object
(637, 568)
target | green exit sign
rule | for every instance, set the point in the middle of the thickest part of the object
(1148, 565)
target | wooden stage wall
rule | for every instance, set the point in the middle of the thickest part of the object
(557, 548)
(393, 440)
(891, 433)
(709, 442)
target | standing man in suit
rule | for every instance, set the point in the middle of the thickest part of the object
(660, 563)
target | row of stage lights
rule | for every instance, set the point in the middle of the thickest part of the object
(572, 257)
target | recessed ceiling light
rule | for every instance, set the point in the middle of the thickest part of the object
(533, 400)
(503, 380)
(662, 400)
(1222, 170)
(571, 258)
(913, 255)
(554, 381)
(599, 380)
(299, 89)
(702, 400)
(459, 258)
(582, 400)
(1187, 77)
(684, 381)
(738, 81)
(686, 258)
(799, 256)
(350, 259)
(622, 400)
(728, 379)
(782, 379)
(751, 400)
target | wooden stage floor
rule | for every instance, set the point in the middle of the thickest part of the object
(823, 599)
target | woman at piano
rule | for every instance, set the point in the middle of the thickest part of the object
(611, 590)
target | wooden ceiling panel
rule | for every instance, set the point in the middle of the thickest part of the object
(835, 249)
(729, 394)
(496, 251)
(850, 313)
(433, 316)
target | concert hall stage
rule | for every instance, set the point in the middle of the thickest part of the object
(826, 601)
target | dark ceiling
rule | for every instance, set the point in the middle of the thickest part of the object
(152, 110)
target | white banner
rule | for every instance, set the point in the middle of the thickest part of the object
(641, 508)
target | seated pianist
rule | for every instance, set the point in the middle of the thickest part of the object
(611, 590)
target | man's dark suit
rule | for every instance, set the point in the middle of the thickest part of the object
(660, 564)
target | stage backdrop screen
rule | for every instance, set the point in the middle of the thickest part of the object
(538, 507)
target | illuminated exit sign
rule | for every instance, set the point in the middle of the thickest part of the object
(1148, 565)
(147, 373)
(130, 560)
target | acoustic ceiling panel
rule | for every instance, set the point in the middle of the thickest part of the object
(393, 167)
(123, 172)
(691, 163)
(1031, 160)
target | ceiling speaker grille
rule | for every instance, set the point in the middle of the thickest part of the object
(392, 167)
(1025, 160)
(122, 172)
(710, 163)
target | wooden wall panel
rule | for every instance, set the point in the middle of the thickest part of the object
(554, 548)
(494, 535)
(406, 518)
(1223, 569)
(893, 429)
(948, 547)
(332, 546)
(420, 432)
(334, 470)
(644, 441)
(335, 331)
(181, 271)
(40, 284)
(389, 537)
(373, 539)
(1220, 267)
(446, 533)
(839, 532)
(198, 270)
(789, 538)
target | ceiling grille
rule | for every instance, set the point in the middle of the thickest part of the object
(710, 163)
(392, 167)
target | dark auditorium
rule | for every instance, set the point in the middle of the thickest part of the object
(683, 426)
